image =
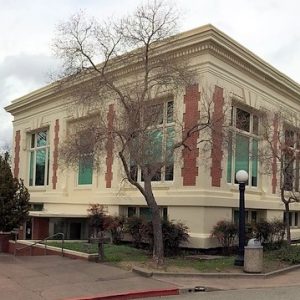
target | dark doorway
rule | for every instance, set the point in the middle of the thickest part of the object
(75, 231)
(28, 230)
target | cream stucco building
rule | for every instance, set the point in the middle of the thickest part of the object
(198, 193)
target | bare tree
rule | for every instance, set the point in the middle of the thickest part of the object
(137, 74)
(281, 156)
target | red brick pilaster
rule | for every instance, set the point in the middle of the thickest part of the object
(189, 172)
(275, 145)
(217, 137)
(55, 155)
(17, 153)
(109, 146)
(40, 228)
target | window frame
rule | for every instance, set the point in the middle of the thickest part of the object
(163, 210)
(294, 218)
(164, 126)
(33, 149)
(295, 147)
(232, 146)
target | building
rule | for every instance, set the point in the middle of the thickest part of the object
(198, 193)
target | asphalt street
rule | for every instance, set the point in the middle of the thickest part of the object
(280, 293)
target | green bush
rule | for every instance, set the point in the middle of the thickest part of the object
(289, 254)
(174, 234)
(225, 232)
(115, 225)
(142, 234)
(97, 218)
(270, 233)
(134, 226)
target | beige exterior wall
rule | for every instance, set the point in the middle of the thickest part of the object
(245, 79)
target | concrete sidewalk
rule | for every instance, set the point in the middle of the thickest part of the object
(54, 277)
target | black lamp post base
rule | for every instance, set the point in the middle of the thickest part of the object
(239, 261)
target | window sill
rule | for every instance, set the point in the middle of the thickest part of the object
(156, 185)
(83, 187)
(37, 189)
(248, 189)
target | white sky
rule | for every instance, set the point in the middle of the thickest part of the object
(269, 28)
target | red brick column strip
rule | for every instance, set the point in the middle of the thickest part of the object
(189, 171)
(17, 153)
(275, 146)
(109, 146)
(217, 137)
(55, 155)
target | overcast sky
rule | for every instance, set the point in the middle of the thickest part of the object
(269, 28)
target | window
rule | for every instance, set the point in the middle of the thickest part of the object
(291, 160)
(293, 218)
(145, 212)
(37, 206)
(85, 171)
(243, 145)
(160, 143)
(39, 159)
(251, 216)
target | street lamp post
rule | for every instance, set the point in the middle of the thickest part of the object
(241, 177)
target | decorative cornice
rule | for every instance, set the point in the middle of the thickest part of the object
(205, 39)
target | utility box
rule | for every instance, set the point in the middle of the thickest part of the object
(253, 257)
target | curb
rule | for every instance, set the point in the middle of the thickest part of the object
(131, 295)
(146, 273)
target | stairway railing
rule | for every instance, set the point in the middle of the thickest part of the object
(43, 241)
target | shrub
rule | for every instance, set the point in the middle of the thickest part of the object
(289, 254)
(115, 225)
(225, 232)
(263, 231)
(97, 218)
(270, 233)
(134, 225)
(174, 234)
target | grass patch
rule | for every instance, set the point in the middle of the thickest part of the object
(212, 265)
(113, 253)
(126, 256)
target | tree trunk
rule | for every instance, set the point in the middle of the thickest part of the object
(158, 245)
(287, 223)
(101, 246)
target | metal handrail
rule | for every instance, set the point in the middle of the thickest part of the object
(45, 243)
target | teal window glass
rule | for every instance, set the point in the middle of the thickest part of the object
(31, 167)
(169, 169)
(154, 152)
(254, 159)
(229, 159)
(242, 153)
(243, 145)
(157, 147)
(41, 138)
(40, 167)
(85, 171)
(39, 160)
